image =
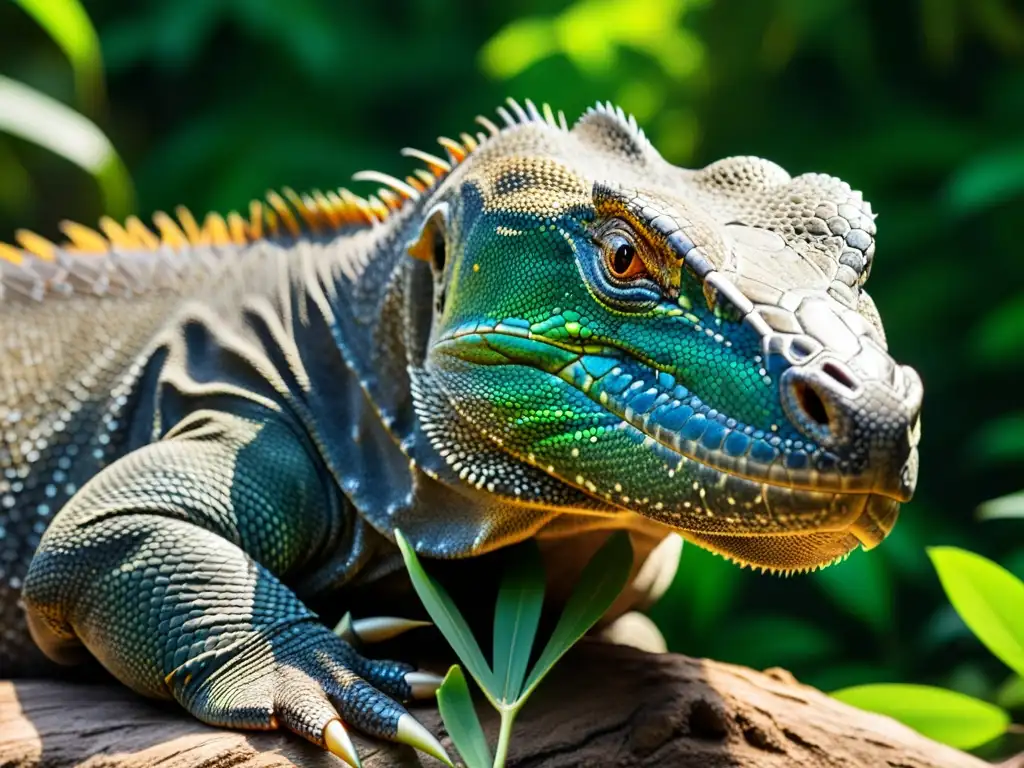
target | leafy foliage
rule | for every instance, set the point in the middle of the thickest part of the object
(990, 600)
(516, 619)
(35, 117)
(447, 618)
(947, 716)
(68, 24)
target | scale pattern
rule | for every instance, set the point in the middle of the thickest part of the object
(209, 431)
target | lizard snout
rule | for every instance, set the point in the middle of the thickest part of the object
(871, 421)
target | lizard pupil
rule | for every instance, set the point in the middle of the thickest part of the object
(623, 259)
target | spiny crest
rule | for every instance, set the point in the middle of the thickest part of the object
(459, 149)
(290, 214)
(287, 213)
(611, 110)
(610, 126)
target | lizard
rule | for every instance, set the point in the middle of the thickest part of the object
(550, 332)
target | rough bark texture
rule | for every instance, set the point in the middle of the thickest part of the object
(605, 706)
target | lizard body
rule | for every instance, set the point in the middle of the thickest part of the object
(551, 332)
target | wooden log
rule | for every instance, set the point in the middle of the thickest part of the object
(605, 705)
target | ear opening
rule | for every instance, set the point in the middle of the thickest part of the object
(431, 245)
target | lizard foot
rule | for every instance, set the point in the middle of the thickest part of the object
(312, 682)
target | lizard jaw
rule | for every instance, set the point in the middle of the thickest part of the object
(808, 551)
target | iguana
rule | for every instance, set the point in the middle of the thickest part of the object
(553, 332)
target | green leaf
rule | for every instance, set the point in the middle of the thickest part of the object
(861, 585)
(947, 716)
(516, 618)
(591, 32)
(1004, 506)
(988, 598)
(37, 118)
(1010, 695)
(68, 24)
(447, 618)
(456, 706)
(600, 583)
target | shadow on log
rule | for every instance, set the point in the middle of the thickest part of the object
(604, 705)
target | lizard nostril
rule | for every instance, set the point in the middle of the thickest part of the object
(839, 375)
(810, 403)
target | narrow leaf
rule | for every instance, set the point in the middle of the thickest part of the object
(456, 706)
(1004, 506)
(44, 121)
(988, 598)
(947, 716)
(600, 583)
(516, 617)
(68, 24)
(446, 617)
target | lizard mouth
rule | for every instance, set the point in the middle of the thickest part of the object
(733, 488)
(671, 416)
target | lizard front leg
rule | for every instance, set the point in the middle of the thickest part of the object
(170, 567)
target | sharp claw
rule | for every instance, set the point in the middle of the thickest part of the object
(380, 628)
(343, 629)
(339, 743)
(412, 732)
(423, 684)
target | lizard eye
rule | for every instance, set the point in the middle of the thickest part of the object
(616, 269)
(623, 259)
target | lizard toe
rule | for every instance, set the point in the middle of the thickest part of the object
(391, 677)
(375, 629)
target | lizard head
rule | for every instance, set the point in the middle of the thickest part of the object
(694, 346)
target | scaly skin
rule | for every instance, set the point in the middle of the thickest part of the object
(208, 430)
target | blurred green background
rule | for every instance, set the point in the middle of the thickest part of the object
(918, 104)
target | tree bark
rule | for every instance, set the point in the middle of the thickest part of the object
(604, 705)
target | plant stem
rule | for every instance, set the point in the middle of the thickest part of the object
(508, 716)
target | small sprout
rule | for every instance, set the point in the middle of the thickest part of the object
(508, 683)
